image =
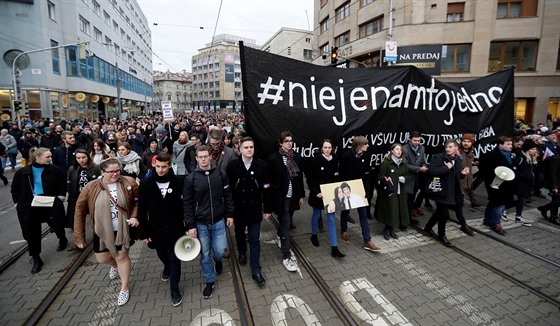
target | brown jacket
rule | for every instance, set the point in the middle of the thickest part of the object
(86, 203)
(467, 161)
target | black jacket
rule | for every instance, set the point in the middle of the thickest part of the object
(449, 178)
(488, 162)
(64, 157)
(161, 218)
(280, 181)
(189, 159)
(251, 190)
(352, 167)
(73, 191)
(207, 197)
(54, 184)
(320, 171)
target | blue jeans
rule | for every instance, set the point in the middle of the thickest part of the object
(254, 231)
(493, 214)
(12, 160)
(172, 265)
(330, 223)
(363, 222)
(213, 237)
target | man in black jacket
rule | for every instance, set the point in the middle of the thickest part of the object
(248, 176)
(63, 155)
(286, 177)
(160, 208)
(207, 202)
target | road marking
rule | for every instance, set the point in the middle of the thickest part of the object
(17, 241)
(213, 316)
(107, 307)
(285, 301)
(347, 290)
(456, 300)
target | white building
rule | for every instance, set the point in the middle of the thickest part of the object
(292, 43)
(54, 81)
(175, 87)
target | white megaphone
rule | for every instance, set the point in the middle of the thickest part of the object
(187, 248)
(502, 174)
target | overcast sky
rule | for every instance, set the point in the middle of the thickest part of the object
(178, 36)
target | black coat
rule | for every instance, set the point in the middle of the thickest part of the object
(251, 190)
(54, 184)
(280, 181)
(189, 159)
(352, 168)
(64, 157)
(73, 191)
(524, 177)
(488, 162)
(449, 178)
(320, 171)
(161, 219)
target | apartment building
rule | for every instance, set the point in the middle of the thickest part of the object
(292, 43)
(175, 87)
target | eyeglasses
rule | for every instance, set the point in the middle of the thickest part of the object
(113, 172)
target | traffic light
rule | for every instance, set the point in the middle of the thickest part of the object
(334, 55)
(18, 105)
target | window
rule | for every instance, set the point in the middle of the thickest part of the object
(123, 34)
(342, 11)
(72, 61)
(342, 39)
(55, 58)
(96, 8)
(97, 35)
(455, 58)
(84, 25)
(50, 7)
(371, 27)
(308, 54)
(325, 24)
(108, 42)
(107, 18)
(516, 8)
(520, 55)
(455, 12)
(115, 26)
(364, 3)
(324, 49)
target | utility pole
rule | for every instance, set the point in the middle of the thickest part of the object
(390, 24)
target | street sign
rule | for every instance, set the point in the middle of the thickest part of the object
(167, 110)
(390, 51)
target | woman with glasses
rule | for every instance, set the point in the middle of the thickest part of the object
(111, 203)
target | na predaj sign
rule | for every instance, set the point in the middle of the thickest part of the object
(425, 57)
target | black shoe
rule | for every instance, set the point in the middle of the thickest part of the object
(350, 220)
(62, 244)
(427, 204)
(315, 240)
(543, 211)
(219, 267)
(5, 181)
(414, 221)
(37, 264)
(430, 232)
(498, 229)
(259, 279)
(387, 234)
(176, 298)
(445, 242)
(393, 234)
(207, 293)
(320, 224)
(555, 221)
(165, 274)
(242, 259)
(335, 253)
(403, 227)
(466, 230)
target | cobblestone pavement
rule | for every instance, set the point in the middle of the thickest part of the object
(413, 281)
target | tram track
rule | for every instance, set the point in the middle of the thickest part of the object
(12, 257)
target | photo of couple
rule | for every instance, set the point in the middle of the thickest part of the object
(343, 196)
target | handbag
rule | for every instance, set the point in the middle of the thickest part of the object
(42, 201)
(12, 150)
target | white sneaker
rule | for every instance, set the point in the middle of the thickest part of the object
(123, 298)
(113, 273)
(504, 215)
(290, 264)
(520, 219)
(278, 242)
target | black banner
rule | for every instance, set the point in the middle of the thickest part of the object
(384, 104)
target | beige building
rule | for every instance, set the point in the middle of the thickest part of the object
(216, 73)
(292, 43)
(174, 87)
(460, 40)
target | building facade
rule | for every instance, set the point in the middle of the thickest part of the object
(174, 87)
(69, 82)
(463, 40)
(292, 43)
(216, 74)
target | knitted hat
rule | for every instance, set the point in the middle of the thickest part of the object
(161, 130)
(468, 137)
(46, 129)
(528, 144)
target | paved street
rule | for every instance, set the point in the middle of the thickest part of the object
(413, 281)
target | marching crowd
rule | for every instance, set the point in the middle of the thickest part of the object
(155, 181)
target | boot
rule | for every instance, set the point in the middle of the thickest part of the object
(315, 240)
(3, 177)
(37, 264)
(387, 234)
(335, 253)
(474, 202)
